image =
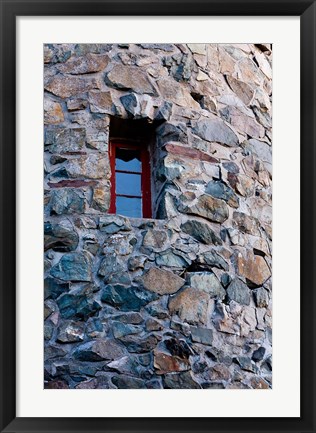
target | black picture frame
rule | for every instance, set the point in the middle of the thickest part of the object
(9, 10)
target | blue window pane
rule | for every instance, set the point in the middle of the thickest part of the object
(130, 207)
(128, 184)
(128, 160)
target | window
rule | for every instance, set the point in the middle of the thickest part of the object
(130, 179)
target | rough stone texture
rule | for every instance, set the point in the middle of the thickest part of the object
(162, 282)
(208, 207)
(190, 305)
(74, 267)
(238, 292)
(182, 300)
(253, 268)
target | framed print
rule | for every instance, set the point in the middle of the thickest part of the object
(164, 132)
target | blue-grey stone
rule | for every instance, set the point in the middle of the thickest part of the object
(258, 354)
(77, 306)
(135, 344)
(60, 237)
(225, 279)
(202, 335)
(67, 201)
(215, 130)
(246, 364)
(163, 47)
(231, 167)
(239, 292)
(120, 329)
(128, 382)
(261, 296)
(180, 381)
(219, 189)
(213, 260)
(126, 299)
(74, 267)
(53, 289)
(130, 104)
(70, 332)
(98, 350)
(171, 259)
(201, 232)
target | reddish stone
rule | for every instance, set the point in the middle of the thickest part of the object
(71, 183)
(56, 384)
(165, 363)
(188, 152)
(253, 268)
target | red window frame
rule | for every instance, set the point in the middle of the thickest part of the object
(145, 175)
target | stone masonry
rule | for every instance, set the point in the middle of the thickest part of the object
(182, 300)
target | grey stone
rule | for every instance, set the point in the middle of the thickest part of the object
(77, 306)
(246, 364)
(215, 130)
(133, 318)
(67, 201)
(60, 237)
(53, 288)
(201, 232)
(70, 332)
(85, 64)
(74, 267)
(219, 189)
(154, 238)
(65, 140)
(261, 296)
(99, 350)
(125, 365)
(91, 166)
(170, 132)
(213, 260)
(128, 382)
(136, 262)
(130, 78)
(171, 259)
(207, 207)
(246, 223)
(238, 291)
(135, 344)
(112, 224)
(164, 111)
(153, 325)
(258, 354)
(242, 90)
(66, 85)
(208, 282)
(162, 281)
(109, 266)
(121, 330)
(190, 305)
(131, 105)
(225, 280)
(231, 167)
(53, 351)
(48, 330)
(201, 335)
(163, 47)
(126, 299)
(180, 381)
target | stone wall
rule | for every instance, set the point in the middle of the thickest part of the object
(182, 300)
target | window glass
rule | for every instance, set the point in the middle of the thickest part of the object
(128, 160)
(130, 207)
(128, 184)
